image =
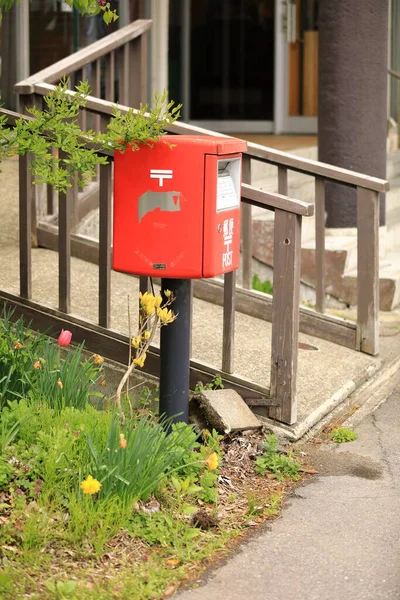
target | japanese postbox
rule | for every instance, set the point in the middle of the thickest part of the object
(177, 207)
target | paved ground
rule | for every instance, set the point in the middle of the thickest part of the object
(339, 537)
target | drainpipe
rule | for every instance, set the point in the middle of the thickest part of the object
(352, 106)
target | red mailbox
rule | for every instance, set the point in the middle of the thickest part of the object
(177, 207)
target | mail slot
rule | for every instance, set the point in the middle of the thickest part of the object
(177, 207)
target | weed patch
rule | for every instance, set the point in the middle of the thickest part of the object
(342, 435)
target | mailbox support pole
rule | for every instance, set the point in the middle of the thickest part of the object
(175, 353)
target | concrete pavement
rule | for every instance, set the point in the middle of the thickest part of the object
(338, 537)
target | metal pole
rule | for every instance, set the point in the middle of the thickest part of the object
(175, 353)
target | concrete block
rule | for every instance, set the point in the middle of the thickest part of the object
(226, 411)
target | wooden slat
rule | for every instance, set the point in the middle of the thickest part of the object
(228, 332)
(105, 216)
(50, 199)
(64, 249)
(74, 192)
(246, 229)
(123, 75)
(138, 68)
(285, 316)
(114, 345)
(96, 90)
(85, 56)
(283, 181)
(368, 270)
(110, 77)
(320, 244)
(25, 219)
(272, 201)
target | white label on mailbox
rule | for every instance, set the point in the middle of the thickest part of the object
(228, 184)
(226, 193)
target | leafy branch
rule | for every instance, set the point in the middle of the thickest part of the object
(57, 127)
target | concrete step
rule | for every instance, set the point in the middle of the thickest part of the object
(389, 284)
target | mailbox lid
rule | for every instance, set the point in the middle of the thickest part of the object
(208, 144)
(221, 252)
(154, 235)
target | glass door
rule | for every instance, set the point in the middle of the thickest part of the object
(296, 66)
(226, 56)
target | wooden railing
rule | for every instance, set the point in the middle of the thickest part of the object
(282, 309)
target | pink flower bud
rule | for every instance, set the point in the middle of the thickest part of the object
(64, 338)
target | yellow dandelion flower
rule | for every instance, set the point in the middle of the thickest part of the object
(60, 384)
(212, 461)
(122, 441)
(97, 359)
(139, 361)
(90, 485)
(166, 316)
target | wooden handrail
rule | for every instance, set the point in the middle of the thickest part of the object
(79, 59)
(269, 200)
(254, 151)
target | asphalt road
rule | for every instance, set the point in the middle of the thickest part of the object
(339, 536)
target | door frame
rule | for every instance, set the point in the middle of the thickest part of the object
(283, 123)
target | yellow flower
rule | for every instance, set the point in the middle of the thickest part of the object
(147, 302)
(97, 359)
(90, 485)
(158, 301)
(122, 441)
(18, 345)
(147, 335)
(166, 316)
(60, 384)
(139, 361)
(167, 293)
(37, 364)
(136, 341)
(212, 461)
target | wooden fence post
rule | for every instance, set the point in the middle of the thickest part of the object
(285, 315)
(368, 271)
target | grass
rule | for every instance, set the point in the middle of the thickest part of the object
(96, 504)
(342, 435)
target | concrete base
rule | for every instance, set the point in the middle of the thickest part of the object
(226, 411)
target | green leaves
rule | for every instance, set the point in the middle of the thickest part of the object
(283, 466)
(133, 470)
(56, 127)
(342, 435)
(145, 125)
